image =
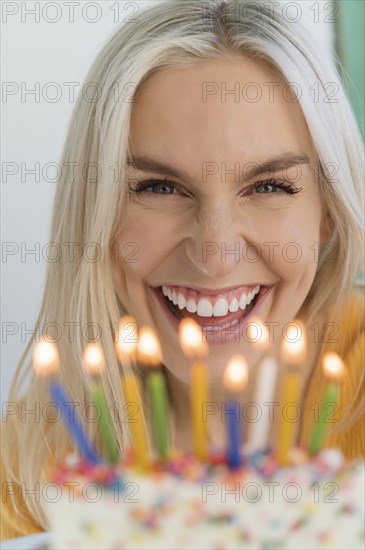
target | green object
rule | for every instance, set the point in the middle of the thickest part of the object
(158, 398)
(350, 46)
(105, 423)
(331, 396)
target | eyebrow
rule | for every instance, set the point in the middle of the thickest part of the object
(285, 161)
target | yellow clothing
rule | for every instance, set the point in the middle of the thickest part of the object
(347, 335)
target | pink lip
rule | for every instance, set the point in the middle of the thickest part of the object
(220, 336)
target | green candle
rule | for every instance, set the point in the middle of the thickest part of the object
(334, 369)
(331, 396)
(149, 355)
(105, 423)
(94, 364)
(157, 394)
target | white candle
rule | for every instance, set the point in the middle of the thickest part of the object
(267, 372)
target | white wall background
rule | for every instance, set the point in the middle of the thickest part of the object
(35, 50)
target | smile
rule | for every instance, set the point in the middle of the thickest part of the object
(214, 310)
(207, 305)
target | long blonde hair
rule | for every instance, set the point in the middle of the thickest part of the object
(90, 199)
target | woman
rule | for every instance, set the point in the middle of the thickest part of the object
(219, 188)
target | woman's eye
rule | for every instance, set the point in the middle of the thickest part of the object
(161, 187)
(272, 186)
(266, 188)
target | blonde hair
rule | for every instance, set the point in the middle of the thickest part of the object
(89, 209)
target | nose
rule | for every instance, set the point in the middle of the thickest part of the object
(216, 243)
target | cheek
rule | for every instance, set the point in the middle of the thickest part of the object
(145, 240)
(291, 245)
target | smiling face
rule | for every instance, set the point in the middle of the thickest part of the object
(230, 227)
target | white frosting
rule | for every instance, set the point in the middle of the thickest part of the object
(168, 512)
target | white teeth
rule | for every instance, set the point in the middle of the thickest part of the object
(252, 294)
(191, 305)
(242, 302)
(233, 306)
(220, 307)
(205, 308)
(208, 329)
(181, 301)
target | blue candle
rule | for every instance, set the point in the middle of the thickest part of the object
(234, 433)
(46, 362)
(73, 425)
(235, 380)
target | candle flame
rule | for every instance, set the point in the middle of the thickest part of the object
(294, 345)
(46, 359)
(93, 360)
(191, 338)
(333, 366)
(236, 373)
(127, 338)
(148, 348)
(258, 333)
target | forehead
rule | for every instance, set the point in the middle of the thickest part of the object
(223, 110)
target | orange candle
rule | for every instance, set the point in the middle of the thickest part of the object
(192, 343)
(293, 353)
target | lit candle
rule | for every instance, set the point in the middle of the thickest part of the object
(264, 387)
(126, 350)
(334, 369)
(149, 355)
(94, 364)
(192, 344)
(234, 380)
(293, 353)
(46, 362)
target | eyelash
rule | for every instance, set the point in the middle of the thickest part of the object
(144, 185)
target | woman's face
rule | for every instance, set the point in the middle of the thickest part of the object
(233, 232)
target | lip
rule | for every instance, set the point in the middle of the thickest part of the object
(231, 334)
(213, 291)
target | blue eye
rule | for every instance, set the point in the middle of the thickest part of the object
(271, 186)
(161, 187)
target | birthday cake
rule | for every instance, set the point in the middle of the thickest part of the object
(182, 503)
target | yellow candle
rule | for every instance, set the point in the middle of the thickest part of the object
(126, 349)
(192, 343)
(199, 396)
(290, 394)
(131, 389)
(293, 353)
